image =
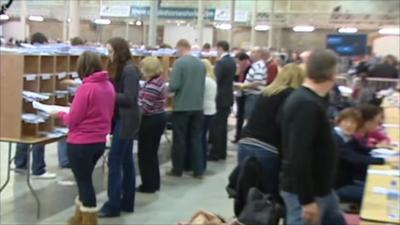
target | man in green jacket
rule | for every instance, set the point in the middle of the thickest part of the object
(187, 83)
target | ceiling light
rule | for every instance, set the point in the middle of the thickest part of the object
(4, 17)
(36, 18)
(261, 27)
(224, 26)
(69, 20)
(348, 30)
(102, 21)
(139, 23)
(303, 29)
(390, 30)
(131, 23)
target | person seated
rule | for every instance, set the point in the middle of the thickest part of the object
(354, 157)
(373, 134)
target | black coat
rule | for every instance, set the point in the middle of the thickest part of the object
(225, 71)
(127, 107)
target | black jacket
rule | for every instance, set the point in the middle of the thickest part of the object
(384, 71)
(264, 122)
(308, 148)
(354, 159)
(225, 71)
(127, 107)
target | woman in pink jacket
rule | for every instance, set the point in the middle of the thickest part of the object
(89, 122)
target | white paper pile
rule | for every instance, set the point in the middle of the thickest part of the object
(33, 118)
(383, 153)
(31, 96)
(62, 130)
(49, 108)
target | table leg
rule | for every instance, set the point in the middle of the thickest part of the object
(28, 181)
(8, 167)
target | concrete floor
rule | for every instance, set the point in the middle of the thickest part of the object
(178, 200)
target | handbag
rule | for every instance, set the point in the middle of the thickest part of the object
(260, 209)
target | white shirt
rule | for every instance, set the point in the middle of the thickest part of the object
(210, 94)
(257, 73)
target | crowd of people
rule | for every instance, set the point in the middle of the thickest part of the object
(309, 161)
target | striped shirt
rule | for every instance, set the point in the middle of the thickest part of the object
(257, 73)
(153, 96)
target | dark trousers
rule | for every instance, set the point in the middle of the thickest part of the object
(121, 175)
(240, 103)
(219, 133)
(83, 159)
(351, 193)
(182, 123)
(270, 163)
(38, 164)
(206, 131)
(151, 129)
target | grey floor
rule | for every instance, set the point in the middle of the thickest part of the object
(178, 200)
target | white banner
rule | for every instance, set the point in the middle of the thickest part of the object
(115, 10)
(225, 15)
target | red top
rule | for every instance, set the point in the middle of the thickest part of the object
(272, 71)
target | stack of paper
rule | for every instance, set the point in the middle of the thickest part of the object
(32, 118)
(62, 130)
(384, 153)
(31, 96)
(49, 108)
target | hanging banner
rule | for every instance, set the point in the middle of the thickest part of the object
(115, 10)
(225, 15)
(172, 13)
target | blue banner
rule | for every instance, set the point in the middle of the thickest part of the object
(172, 13)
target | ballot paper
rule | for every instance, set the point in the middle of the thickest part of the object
(31, 96)
(62, 130)
(390, 173)
(384, 153)
(32, 118)
(49, 108)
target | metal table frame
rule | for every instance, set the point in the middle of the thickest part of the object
(28, 164)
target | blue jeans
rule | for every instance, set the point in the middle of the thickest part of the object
(250, 104)
(38, 164)
(330, 212)
(62, 153)
(269, 161)
(121, 175)
(351, 193)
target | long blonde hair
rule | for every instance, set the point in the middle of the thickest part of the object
(291, 76)
(209, 68)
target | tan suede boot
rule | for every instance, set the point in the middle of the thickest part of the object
(89, 215)
(77, 218)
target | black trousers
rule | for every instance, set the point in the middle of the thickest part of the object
(185, 141)
(83, 159)
(240, 103)
(151, 129)
(219, 133)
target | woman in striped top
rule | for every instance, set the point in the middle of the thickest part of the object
(152, 98)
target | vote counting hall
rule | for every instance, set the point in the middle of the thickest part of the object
(200, 112)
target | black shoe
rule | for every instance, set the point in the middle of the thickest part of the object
(142, 190)
(199, 177)
(102, 214)
(212, 158)
(171, 173)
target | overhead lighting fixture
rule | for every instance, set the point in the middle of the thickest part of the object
(102, 21)
(261, 27)
(69, 20)
(348, 30)
(303, 29)
(224, 26)
(390, 30)
(36, 18)
(4, 17)
(138, 23)
(131, 23)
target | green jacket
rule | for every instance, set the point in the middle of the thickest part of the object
(187, 82)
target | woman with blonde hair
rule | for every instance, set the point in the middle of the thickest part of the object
(152, 99)
(261, 136)
(210, 105)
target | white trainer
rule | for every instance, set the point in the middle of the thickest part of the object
(45, 176)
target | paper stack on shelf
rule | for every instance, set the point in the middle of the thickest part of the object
(32, 118)
(384, 153)
(62, 130)
(31, 96)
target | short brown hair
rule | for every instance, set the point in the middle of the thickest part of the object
(88, 63)
(183, 43)
(321, 65)
(369, 112)
(350, 113)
